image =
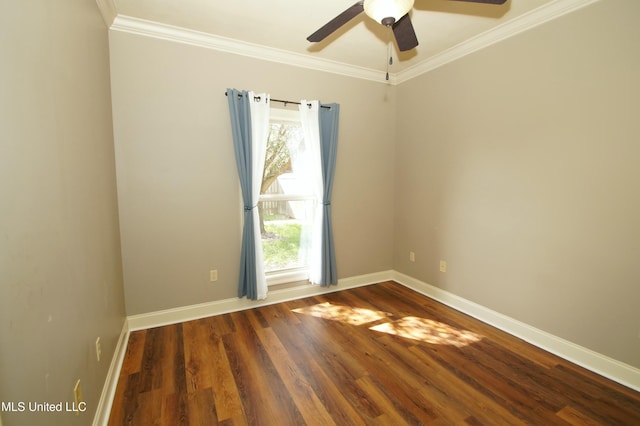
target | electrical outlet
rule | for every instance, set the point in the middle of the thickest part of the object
(98, 349)
(213, 275)
(443, 266)
(412, 256)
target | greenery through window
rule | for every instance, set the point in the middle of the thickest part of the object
(286, 206)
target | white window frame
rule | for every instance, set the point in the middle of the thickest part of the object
(284, 276)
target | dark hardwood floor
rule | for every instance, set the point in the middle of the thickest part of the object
(380, 354)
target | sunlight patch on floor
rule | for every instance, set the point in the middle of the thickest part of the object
(347, 314)
(428, 331)
(416, 328)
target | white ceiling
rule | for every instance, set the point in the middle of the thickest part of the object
(446, 29)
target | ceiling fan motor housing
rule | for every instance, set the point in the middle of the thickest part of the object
(381, 10)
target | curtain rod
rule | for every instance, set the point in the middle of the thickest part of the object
(257, 98)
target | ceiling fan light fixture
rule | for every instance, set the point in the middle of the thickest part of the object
(378, 10)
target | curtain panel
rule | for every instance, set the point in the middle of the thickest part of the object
(328, 118)
(320, 126)
(250, 129)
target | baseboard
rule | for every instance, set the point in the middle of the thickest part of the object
(202, 310)
(103, 409)
(608, 367)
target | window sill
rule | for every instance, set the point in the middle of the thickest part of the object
(284, 277)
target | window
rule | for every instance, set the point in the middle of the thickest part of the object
(286, 205)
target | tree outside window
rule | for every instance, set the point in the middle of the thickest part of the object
(286, 207)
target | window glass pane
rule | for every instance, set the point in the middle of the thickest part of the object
(286, 209)
(285, 235)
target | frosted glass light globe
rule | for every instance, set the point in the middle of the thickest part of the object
(380, 9)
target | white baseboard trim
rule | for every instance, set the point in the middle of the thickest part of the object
(608, 367)
(202, 310)
(103, 410)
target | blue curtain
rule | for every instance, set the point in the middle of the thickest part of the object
(239, 110)
(328, 118)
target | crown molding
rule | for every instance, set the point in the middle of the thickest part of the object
(161, 31)
(108, 10)
(509, 29)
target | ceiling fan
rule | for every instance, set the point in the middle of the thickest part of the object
(393, 14)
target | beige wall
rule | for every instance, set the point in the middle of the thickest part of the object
(178, 188)
(61, 279)
(518, 165)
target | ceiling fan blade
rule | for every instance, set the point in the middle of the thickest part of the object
(485, 1)
(405, 34)
(337, 22)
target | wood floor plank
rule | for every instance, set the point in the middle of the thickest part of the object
(331, 343)
(398, 380)
(149, 410)
(133, 355)
(339, 402)
(306, 400)
(574, 417)
(208, 367)
(265, 398)
(202, 408)
(585, 387)
(338, 364)
(445, 403)
(175, 410)
(125, 400)
(494, 386)
(459, 396)
(150, 371)
(374, 355)
(390, 410)
(197, 353)
(226, 395)
(127, 388)
(172, 364)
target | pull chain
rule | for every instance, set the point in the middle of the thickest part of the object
(390, 58)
